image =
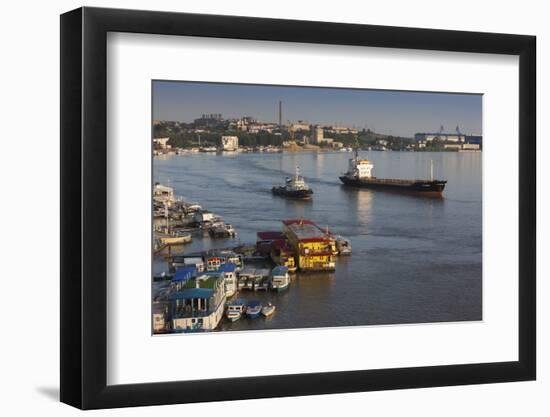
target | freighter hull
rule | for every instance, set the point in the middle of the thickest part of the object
(299, 194)
(424, 187)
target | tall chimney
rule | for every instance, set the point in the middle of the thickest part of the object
(280, 113)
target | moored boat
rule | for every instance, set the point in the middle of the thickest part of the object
(222, 230)
(176, 238)
(343, 245)
(253, 309)
(268, 310)
(235, 310)
(280, 280)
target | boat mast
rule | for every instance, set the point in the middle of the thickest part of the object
(166, 216)
(431, 169)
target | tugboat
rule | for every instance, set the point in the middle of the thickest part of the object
(294, 187)
(359, 174)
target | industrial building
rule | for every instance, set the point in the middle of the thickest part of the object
(456, 137)
(209, 120)
(445, 137)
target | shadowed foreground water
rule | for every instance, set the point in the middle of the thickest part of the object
(415, 259)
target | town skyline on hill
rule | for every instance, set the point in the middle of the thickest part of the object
(399, 113)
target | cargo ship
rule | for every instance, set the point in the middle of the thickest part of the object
(294, 187)
(359, 174)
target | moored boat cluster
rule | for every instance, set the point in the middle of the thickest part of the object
(201, 288)
(175, 220)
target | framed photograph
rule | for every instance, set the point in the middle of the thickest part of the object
(260, 208)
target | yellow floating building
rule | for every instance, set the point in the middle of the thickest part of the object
(314, 250)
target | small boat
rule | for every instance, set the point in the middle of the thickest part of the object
(230, 230)
(343, 245)
(235, 310)
(208, 149)
(193, 207)
(254, 309)
(221, 230)
(268, 310)
(280, 279)
(175, 239)
(294, 187)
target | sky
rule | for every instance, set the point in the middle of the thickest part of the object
(398, 113)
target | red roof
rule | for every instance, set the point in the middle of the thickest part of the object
(280, 244)
(298, 221)
(269, 235)
(315, 239)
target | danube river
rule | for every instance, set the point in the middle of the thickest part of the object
(415, 259)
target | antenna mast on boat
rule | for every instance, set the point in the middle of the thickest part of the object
(431, 169)
(166, 215)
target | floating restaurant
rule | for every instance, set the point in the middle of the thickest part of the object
(301, 245)
(313, 248)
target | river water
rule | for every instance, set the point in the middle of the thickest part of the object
(415, 259)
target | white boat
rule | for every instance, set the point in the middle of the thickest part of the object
(280, 280)
(268, 310)
(343, 245)
(208, 149)
(192, 207)
(221, 229)
(178, 238)
(235, 310)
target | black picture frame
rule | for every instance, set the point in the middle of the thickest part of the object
(84, 207)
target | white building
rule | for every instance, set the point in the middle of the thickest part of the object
(445, 137)
(342, 130)
(161, 143)
(317, 135)
(299, 126)
(230, 143)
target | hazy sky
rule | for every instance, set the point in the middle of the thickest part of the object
(392, 112)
